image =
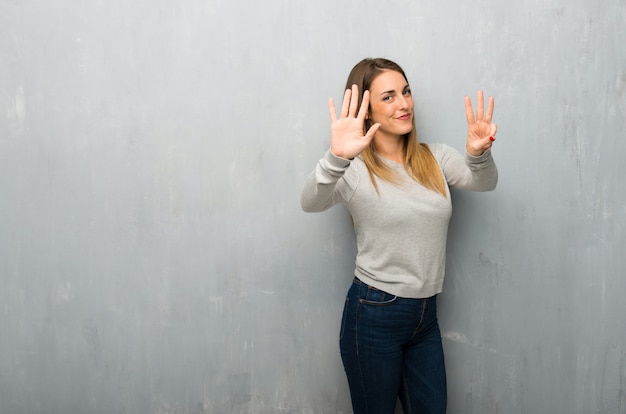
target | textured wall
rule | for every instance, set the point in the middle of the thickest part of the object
(153, 255)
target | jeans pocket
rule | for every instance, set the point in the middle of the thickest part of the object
(377, 297)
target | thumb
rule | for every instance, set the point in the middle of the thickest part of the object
(372, 131)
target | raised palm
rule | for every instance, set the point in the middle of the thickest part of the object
(480, 131)
(346, 132)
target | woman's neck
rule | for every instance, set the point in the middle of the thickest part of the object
(391, 148)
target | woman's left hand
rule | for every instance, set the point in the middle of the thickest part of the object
(481, 133)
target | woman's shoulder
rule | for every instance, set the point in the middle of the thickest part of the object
(440, 150)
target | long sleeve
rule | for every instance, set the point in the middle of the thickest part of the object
(326, 185)
(466, 172)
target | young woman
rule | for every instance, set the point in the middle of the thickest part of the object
(397, 192)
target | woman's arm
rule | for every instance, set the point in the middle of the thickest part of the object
(321, 190)
(346, 142)
(467, 172)
(476, 170)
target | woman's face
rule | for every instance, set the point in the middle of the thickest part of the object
(391, 104)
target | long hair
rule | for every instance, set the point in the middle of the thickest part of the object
(419, 161)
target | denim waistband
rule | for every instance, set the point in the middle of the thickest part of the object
(358, 281)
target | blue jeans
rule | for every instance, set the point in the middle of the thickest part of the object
(391, 348)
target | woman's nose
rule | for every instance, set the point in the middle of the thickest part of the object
(403, 102)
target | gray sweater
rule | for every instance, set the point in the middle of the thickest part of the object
(400, 231)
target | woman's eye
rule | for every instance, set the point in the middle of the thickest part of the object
(387, 98)
(407, 92)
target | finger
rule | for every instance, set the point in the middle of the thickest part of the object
(486, 142)
(364, 105)
(469, 112)
(354, 101)
(369, 135)
(480, 106)
(345, 105)
(494, 130)
(489, 110)
(332, 110)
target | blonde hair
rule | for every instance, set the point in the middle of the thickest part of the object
(419, 161)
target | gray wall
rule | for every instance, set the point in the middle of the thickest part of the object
(153, 255)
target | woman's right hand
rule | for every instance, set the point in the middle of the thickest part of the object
(346, 133)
